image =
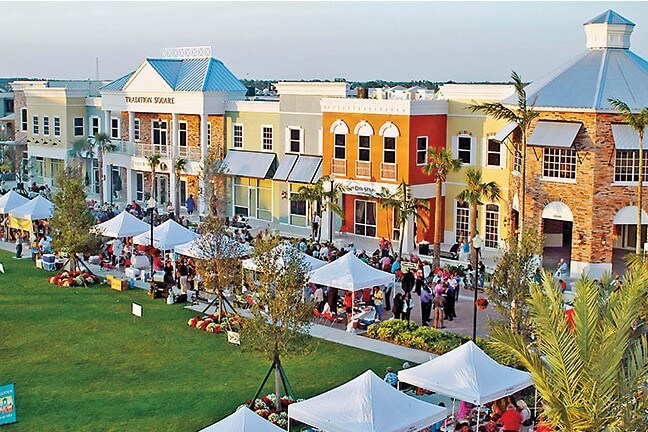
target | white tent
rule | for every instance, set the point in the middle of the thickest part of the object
(243, 420)
(350, 274)
(122, 225)
(230, 246)
(366, 404)
(37, 208)
(10, 201)
(312, 263)
(166, 236)
(467, 373)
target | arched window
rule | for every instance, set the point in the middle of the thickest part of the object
(23, 120)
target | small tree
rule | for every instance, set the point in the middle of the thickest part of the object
(212, 174)
(318, 196)
(178, 167)
(280, 320)
(86, 149)
(72, 220)
(440, 164)
(154, 162)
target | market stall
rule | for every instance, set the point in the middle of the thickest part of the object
(243, 420)
(122, 225)
(312, 263)
(10, 201)
(229, 247)
(365, 404)
(349, 273)
(166, 236)
(21, 217)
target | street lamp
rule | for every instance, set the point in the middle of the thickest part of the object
(112, 183)
(150, 204)
(330, 207)
(477, 243)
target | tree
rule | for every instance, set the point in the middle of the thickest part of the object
(86, 148)
(439, 164)
(510, 285)
(212, 174)
(318, 196)
(405, 206)
(153, 161)
(476, 191)
(280, 319)
(178, 166)
(523, 115)
(637, 121)
(588, 371)
(72, 220)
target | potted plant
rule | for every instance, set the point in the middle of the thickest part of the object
(481, 303)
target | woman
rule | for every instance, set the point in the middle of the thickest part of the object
(408, 305)
(526, 416)
(397, 308)
(378, 302)
(348, 306)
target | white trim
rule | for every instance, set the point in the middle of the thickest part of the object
(35, 130)
(46, 133)
(186, 131)
(288, 148)
(557, 180)
(363, 128)
(90, 126)
(74, 119)
(557, 210)
(364, 148)
(54, 126)
(234, 126)
(272, 136)
(389, 130)
(24, 121)
(339, 127)
(113, 118)
(137, 126)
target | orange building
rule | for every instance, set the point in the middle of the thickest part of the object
(371, 144)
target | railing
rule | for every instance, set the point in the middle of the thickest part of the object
(191, 153)
(122, 146)
(363, 169)
(151, 149)
(387, 171)
(339, 166)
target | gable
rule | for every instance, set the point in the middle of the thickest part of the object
(147, 79)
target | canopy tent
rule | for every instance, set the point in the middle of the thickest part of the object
(467, 373)
(243, 420)
(10, 201)
(228, 245)
(166, 236)
(22, 216)
(312, 263)
(366, 404)
(350, 274)
(122, 225)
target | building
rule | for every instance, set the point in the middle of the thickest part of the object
(582, 167)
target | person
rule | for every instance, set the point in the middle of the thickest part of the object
(191, 205)
(408, 305)
(426, 305)
(464, 250)
(437, 426)
(616, 282)
(183, 272)
(407, 284)
(45, 244)
(19, 245)
(491, 425)
(463, 427)
(397, 308)
(563, 285)
(118, 251)
(561, 271)
(319, 298)
(450, 303)
(348, 305)
(378, 302)
(511, 420)
(464, 410)
(527, 421)
(438, 303)
(396, 265)
(391, 378)
(315, 222)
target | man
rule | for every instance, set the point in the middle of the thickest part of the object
(511, 420)
(45, 244)
(315, 222)
(561, 271)
(319, 298)
(438, 303)
(391, 378)
(426, 305)
(191, 205)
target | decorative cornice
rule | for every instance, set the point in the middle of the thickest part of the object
(385, 106)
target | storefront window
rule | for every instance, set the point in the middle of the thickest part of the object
(365, 218)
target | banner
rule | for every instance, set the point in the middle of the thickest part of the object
(7, 404)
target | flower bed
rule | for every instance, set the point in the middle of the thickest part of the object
(74, 278)
(266, 407)
(210, 323)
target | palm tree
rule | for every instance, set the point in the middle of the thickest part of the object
(86, 148)
(440, 164)
(318, 196)
(476, 191)
(588, 370)
(179, 166)
(153, 161)
(523, 115)
(405, 206)
(637, 121)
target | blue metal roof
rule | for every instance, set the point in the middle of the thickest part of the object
(610, 17)
(204, 74)
(117, 84)
(168, 69)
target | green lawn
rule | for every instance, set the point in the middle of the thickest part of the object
(80, 361)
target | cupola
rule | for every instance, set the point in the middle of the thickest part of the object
(608, 30)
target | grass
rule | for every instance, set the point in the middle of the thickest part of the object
(80, 361)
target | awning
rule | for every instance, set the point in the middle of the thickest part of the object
(505, 131)
(559, 211)
(285, 167)
(554, 134)
(248, 163)
(305, 169)
(625, 138)
(8, 118)
(628, 216)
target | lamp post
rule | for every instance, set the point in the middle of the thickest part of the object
(477, 243)
(112, 183)
(150, 204)
(330, 207)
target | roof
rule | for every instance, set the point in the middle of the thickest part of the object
(609, 17)
(118, 84)
(554, 134)
(248, 163)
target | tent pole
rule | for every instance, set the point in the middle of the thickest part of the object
(478, 412)
(288, 424)
(453, 409)
(535, 403)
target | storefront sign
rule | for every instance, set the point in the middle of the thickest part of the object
(7, 404)
(355, 187)
(150, 99)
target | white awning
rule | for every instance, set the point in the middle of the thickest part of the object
(505, 131)
(554, 134)
(628, 216)
(305, 169)
(248, 163)
(558, 211)
(625, 138)
(285, 167)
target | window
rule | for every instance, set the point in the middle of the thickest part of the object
(493, 153)
(57, 126)
(517, 158)
(114, 128)
(559, 163)
(40, 166)
(56, 167)
(364, 148)
(137, 129)
(208, 134)
(264, 199)
(139, 186)
(160, 134)
(23, 119)
(182, 134)
(365, 218)
(241, 196)
(339, 146)
(297, 212)
(464, 149)
(35, 125)
(266, 137)
(46, 126)
(95, 176)
(78, 126)
(626, 166)
(421, 150)
(395, 224)
(95, 126)
(9, 105)
(389, 150)
(462, 221)
(492, 226)
(295, 139)
(238, 136)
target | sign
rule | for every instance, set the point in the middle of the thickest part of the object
(150, 99)
(7, 404)
(358, 187)
(233, 338)
(136, 309)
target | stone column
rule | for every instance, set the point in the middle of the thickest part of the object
(173, 186)
(204, 151)
(130, 185)
(131, 126)
(106, 125)
(105, 169)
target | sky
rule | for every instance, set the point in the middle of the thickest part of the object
(358, 41)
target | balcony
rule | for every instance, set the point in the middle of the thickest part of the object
(363, 169)
(339, 167)
(151, 149)
(388, 171)
(190, 153)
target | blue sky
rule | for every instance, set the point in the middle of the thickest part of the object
(438, 41)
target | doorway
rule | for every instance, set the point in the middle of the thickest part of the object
(161, 189)
(557, 227)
